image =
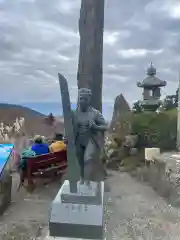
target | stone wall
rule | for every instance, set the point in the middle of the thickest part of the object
(164, 176)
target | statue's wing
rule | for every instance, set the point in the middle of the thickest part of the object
(73, 171)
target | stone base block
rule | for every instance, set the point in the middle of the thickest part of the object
(64, 238)
(73, 219)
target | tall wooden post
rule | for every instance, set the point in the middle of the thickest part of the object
(178, 118)
(90, 67)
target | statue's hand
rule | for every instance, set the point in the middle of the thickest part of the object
(65, 140)
(92, 125)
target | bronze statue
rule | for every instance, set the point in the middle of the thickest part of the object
(84, 131)
(89, 127)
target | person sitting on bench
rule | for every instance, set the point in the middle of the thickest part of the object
(39, 147)
(58, 144)
(25, 153)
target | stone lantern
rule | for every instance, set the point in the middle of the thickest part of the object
(151, 90)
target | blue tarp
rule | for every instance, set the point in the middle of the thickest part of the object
(5, 151)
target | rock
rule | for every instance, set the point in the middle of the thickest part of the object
(116, 151)
(120, 126)
(110, 153)
(121, 120)
(130, 141)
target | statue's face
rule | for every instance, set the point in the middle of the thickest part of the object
(84, 101)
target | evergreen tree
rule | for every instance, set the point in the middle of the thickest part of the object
(137, 107)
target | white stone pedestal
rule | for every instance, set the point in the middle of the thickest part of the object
(151, 154)
(78, 215)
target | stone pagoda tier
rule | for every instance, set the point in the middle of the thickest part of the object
(151, 90)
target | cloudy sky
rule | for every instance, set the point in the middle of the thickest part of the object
(38, 38)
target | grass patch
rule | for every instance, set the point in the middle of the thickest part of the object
(130, 163)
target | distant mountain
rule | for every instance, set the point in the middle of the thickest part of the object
(56, 108)
(34, 120)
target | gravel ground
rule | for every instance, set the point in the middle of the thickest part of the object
(133, 211)
(27, 216)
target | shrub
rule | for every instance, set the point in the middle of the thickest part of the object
(156, 129)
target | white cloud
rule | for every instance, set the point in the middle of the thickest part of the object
(68, 6)
(170, 7)
(137, 53)
(156, 6)
(46, 75)
(40, 38)
(109, 101)
(111, 38)
(165, 70)
(63, 58)
(112, 66)
(135, 22)
(117, 78)
(173, 10)
(28, 1)
(47, 29)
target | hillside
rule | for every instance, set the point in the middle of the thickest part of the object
(34, 121)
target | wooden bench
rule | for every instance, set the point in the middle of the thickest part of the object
(44, 166)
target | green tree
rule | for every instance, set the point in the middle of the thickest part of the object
(176, 97)
(49, 119)
(156, 129)
(170, 102)
(137, 107)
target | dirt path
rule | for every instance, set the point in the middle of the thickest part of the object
(136, 212)
(133, 211)
(27, 216)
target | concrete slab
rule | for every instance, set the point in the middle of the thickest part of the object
(85, 194)
(80, 220)
(63, 238)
